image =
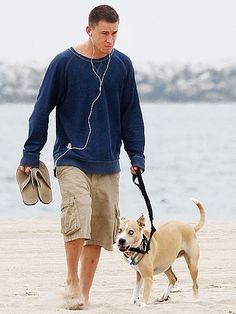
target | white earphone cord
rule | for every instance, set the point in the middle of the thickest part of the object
(101, 79)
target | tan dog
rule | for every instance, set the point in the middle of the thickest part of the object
(171, 240)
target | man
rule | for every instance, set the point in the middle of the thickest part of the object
(93, 89)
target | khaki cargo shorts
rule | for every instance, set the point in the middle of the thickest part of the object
(89, 208)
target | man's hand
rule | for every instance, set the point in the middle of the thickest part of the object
(26, 169)
(134, 169)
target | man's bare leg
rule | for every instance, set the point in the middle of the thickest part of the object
(88, 264)
(73, 251)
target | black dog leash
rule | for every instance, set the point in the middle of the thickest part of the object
(141, 186)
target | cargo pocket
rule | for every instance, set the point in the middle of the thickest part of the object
(69, 217)
(116, 223)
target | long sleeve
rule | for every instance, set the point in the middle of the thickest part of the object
(50, 94)
(132, 122)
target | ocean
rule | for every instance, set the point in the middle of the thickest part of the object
(190, 152)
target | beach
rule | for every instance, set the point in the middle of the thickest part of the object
(33, 272)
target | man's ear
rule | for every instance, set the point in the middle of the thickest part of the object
(88, 30)
(141, 221)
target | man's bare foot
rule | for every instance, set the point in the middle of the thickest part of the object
(74, 306)
(72, 298)
(86, 303)
(72, 288)
(73, 292)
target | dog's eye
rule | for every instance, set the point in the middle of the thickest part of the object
(131, 232)
(120, 230)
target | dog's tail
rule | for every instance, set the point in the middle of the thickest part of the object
(202, 214)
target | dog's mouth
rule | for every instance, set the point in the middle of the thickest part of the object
(123, 248)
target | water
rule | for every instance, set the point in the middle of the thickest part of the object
(190, 152)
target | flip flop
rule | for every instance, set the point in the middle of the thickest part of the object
(28, 187)
(42, 178)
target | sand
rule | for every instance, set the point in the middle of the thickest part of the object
(32, 272)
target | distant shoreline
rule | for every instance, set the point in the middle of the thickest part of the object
(156, 83)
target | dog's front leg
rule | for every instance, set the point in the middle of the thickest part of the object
(138, 285)
(146, 290)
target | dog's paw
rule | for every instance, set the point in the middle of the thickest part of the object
(132, 301)
(161, 299)
(143, 304)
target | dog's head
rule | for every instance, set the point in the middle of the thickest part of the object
(130, 233)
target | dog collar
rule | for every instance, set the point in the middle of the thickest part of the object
(142, 248)
(132, 259)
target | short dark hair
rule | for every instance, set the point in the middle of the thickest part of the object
(103, 13)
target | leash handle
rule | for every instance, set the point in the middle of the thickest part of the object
(142, 188)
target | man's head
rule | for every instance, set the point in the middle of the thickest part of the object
(102, 28)
(102, 13)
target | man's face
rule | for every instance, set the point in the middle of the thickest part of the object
(103, 37)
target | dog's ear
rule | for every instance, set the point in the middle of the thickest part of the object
(141, 221)
(123, 221)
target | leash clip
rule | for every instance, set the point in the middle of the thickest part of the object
(131, 260)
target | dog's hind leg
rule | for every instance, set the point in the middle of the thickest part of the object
(138, 285)
(172, 280)
(193, 268)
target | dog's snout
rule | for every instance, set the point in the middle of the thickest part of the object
(121, 241)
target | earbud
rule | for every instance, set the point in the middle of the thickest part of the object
(90, 34)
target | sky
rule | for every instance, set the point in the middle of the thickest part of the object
(156, 31)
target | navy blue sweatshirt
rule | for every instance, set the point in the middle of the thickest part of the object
(71, 86)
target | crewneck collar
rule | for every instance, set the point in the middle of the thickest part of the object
(72, 49)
